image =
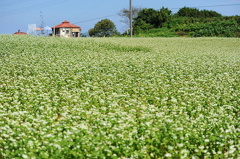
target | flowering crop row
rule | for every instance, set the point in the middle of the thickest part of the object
(119, 97)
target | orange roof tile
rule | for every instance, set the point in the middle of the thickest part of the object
(66, 24)
(38, 29)
(19, 32)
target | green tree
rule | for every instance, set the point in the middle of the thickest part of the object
(151, 18)
(165, 16)
(196, 13)
(91, 32)
(188, 12)
(104, 28)
(209, 14)
(141, 26)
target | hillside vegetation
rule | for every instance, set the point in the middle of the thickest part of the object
(119, 97)
(188, 22)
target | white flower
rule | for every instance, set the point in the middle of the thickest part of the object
(179, 129)
(168, 155)
(83, 126)
(201, 147)
(180, 145)
(232, 149)
(170, 147)
(24, 156)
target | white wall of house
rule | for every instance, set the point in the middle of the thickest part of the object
(65, 32)
(69, 32)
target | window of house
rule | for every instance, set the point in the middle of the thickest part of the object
(67, 31)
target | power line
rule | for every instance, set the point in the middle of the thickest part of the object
(54, 2)
(170, 8)
(32, 7)
(95, 5)
(12, 3)
(95, 18)
(223, 5)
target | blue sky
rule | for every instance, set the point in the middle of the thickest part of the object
(17, 14)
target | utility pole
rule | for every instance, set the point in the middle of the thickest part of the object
(54, 31)
(42, 24)
(130, 10)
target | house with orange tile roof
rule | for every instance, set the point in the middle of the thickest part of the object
(66, 29)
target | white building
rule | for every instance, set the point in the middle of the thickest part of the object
(66, 29)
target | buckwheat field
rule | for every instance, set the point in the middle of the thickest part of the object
(119, 98)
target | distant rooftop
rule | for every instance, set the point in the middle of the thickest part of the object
(19, 32)
(66, 24)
